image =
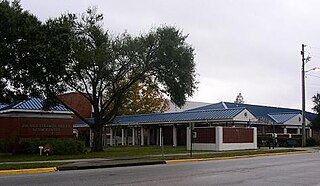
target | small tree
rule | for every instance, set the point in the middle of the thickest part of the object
(316, 101)
(142, 99)
(316, 108)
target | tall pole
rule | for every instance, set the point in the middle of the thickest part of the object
(303, 144)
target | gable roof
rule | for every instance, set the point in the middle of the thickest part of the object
(258, 110)
(32, 104)
(3, 105)
(283, 117)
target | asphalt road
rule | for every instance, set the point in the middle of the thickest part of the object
(302, 169)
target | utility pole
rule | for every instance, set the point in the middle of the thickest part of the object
(303, 144)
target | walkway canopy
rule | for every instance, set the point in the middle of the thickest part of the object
(210, 115)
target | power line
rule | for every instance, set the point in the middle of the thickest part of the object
(313, 75)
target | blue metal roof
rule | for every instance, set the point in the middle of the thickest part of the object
(181, 116)
(32, 104)
(257, 110)
(3, 105)
(217, 111)
(213, 114)
(282, 117)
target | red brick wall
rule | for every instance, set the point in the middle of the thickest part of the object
(79, 103)
(205, 135)
(167, 135)
(9, 128)
(35, 128)
(237, 135)
(46, 128)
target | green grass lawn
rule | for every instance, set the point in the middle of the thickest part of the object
(28, 165)
(115, 152)
(110, 152)
(229, 154)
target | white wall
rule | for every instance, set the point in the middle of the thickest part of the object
(245, 115)
(296, 121)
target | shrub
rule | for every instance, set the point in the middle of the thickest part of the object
(282, 140)
(311, 142)
(53, 146)
(6, 146)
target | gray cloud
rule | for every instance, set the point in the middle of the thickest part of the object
(246, 46)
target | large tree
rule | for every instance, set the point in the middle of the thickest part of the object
(19, 33)
(77, 54)
(104, 68)
(32, 54)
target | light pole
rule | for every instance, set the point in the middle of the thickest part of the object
(303, 74)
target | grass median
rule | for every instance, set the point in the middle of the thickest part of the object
(28, 165)
(110, 152)
(229, 154)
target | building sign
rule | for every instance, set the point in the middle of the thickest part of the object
(48, 127)
(52, 129)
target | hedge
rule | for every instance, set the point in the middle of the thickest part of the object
(53, 146)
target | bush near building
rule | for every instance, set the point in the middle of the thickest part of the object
(53, 147)
(267, 140)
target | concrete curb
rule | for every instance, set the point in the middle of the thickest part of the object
(232, 157)
(109, 165)
(28, 171)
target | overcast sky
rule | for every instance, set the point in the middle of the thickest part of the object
(242, 46)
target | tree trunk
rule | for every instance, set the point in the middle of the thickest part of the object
(97, 138)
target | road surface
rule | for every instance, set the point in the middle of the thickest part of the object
(302, 169)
